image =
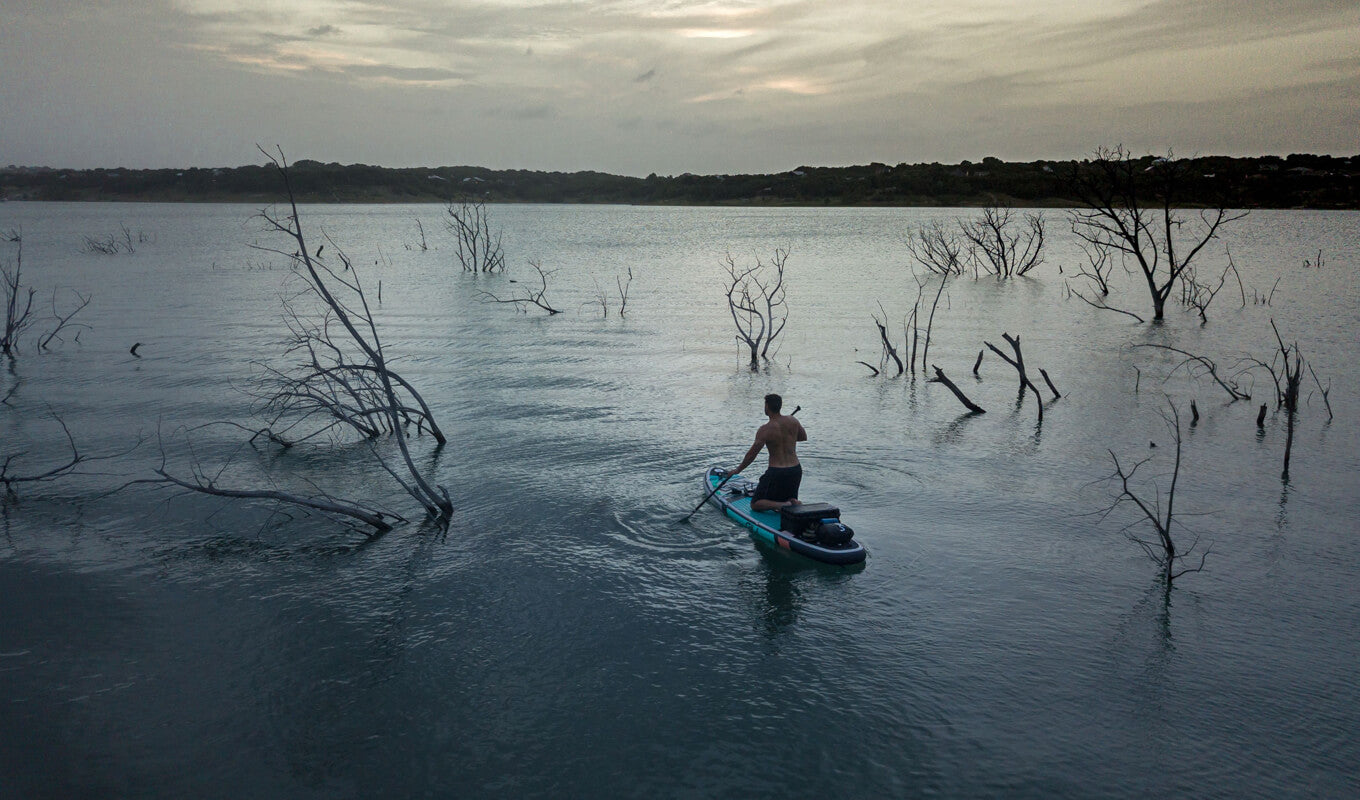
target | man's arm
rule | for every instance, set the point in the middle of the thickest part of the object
(751, 454)
(802, 434)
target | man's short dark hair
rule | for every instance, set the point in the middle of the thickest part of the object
(774, 402)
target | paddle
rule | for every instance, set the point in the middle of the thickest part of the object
(685, 518)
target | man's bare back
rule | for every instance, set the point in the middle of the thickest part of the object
(781, 435)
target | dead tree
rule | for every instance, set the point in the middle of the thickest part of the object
(930, 325)
(9, 476)
(1129, 208)
(1019, 363)
(940, 250)
(63, 321)
(889, 350)
(1159, 511)
(1099, 264)
(527, 295)
(18, 302)
(756, 299)
(331, 383)
(624, 286)
(1198, 294)
(479, 249)
(601, 298)
(1206, 367)
(1288, 389)
(345, 304)
(200, 482)
(18, 311)
(940, 378)
(1006, 247)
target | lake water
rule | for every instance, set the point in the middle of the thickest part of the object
(566, 637)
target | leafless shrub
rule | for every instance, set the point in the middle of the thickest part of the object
(1005, 246)
(18, 302)
(940, 250)
(10, 476)
(479, 249)
(527, 296)
(111, 244)
(1157, 511)
(1198, 365)
(1099, 264)
(623, 287)
(756, 299)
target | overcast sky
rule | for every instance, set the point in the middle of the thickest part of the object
(670, 86)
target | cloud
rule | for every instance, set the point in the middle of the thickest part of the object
(817, 81)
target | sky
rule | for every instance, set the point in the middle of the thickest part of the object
(670, 86)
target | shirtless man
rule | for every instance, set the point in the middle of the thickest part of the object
(778, 487)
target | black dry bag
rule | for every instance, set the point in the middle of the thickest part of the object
(833, 533)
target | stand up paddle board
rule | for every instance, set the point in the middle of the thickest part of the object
(813, 530)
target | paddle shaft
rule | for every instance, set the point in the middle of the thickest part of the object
(796, 409)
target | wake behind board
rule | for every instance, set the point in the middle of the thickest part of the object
(735, 500)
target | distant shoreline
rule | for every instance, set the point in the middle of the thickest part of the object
(1297, 181)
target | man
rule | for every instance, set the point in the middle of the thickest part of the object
(778, 487)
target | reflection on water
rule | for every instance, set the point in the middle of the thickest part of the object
(566, 636)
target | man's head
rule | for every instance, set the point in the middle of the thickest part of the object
(773, 403)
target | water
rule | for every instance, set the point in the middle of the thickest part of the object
(566, 637)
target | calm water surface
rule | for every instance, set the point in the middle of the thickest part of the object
(567, 638)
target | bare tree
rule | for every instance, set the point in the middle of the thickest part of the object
(479, 249)
(18, 301)
(347, 308)
(1018, 361)
(1196, 363)
(63, 321)
(940, 378)
(889, 350)
(528, 295)
(332, 383)
(1130, 209)
(201, 482)
(624, 286)
(940, 250)
(11, 477)
(1098, 267)
(1158, 511)
(756, 299)
(1006, 247)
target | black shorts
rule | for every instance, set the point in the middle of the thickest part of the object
(779, 484)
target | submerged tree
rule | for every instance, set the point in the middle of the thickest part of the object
(755, 297)
(1005, 245)
(18, 306)
(526, 295)
(996, 241)
(346, 376)
(1157, 512)
(1130, 209)
(479, 248)
(18, 301)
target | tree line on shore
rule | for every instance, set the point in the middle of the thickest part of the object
(1295, 181)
